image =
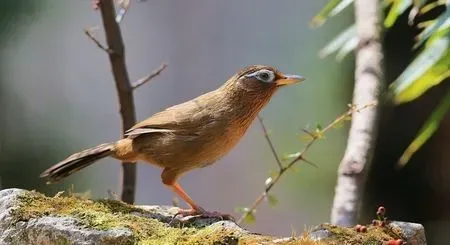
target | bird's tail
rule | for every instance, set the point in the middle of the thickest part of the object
(77, 162)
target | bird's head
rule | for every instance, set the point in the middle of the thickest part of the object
(251, 88)
(260, 78)
(260, 81)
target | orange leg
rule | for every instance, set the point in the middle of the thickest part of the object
(169, 177)
(180, 192)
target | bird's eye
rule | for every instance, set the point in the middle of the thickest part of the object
(263, 75)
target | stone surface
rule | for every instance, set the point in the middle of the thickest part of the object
(31, 218)
(413, 233)
(28, 217)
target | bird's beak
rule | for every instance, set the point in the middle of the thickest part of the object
(289, 79)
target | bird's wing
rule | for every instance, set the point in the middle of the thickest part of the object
(185, 117)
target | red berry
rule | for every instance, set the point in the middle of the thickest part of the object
(358, 228)
(363, 229)
(381, 211)
(395, 242)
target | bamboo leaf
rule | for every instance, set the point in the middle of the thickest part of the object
(417, 4)
(440, 24)
(273, 201)
(331, 9)
(396, 10)
(348, 47)
(429, 68)
(339, 41)
(428, 129)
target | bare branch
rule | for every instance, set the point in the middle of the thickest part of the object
(123, 87)
(269, 141)
(352, 173)
(300, 157)
(309, 162)
(148, 78)
(97, 42)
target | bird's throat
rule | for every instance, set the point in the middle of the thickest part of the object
(246, 104)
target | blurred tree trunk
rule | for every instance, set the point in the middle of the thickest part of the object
(419, 192)
(369, 83)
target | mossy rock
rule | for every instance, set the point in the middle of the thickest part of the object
(28, 217)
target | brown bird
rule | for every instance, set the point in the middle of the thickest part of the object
(190, 135)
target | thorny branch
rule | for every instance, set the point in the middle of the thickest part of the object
(116, 53)
(271, 181)
(269, 141)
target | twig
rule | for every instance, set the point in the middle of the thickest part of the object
(369, 84)
(269, 141)
(96, 41)
(148, 78)
(123, 87)
(299, 157)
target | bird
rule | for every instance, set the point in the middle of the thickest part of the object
(190, 135)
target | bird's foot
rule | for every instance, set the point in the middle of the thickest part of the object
(200, 212)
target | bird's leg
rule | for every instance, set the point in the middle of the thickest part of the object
(195, 209)
(169, 177)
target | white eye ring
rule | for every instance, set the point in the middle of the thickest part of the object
(263, 75)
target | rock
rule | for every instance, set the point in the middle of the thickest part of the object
(28, 217)
(410, 233)
(413, 233)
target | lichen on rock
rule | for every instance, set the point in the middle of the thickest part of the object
(28, 217)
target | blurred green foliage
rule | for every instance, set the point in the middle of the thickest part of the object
(428, 69)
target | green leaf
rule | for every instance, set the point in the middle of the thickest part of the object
(429, 68)
(241, 209)
(249, 218)
(417, 4)
(428, 129)
(439, 25)
(339, 41)
(273, 174)
(273, 201)
(331, 9)
(396, 10)
(290, 156)
(318, 127)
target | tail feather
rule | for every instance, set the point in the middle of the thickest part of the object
(77, 162)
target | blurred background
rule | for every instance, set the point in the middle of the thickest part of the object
(57, 96)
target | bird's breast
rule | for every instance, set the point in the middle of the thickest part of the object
(193, 148)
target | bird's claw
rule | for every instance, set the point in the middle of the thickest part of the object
(201, 213)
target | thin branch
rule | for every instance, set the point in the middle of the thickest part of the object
(269, 141)
(369, 84)
(300, 157)
(91, 36)
(124, 89)
(148, 78)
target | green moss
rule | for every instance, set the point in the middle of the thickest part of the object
(108, 214)
(101, 215)
(375, 235)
